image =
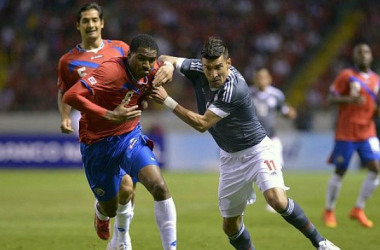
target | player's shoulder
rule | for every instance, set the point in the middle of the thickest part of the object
(348, 72)
(374, 74)
(69, 56)
(236, 77)
(116, 43)
(274, 91)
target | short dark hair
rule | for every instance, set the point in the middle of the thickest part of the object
(144, 41)
(89, 6)
(214, 48)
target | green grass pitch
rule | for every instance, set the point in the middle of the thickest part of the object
(53, 209)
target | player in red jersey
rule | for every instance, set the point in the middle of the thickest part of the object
(77, 63)
(113, 143)
(355, 90)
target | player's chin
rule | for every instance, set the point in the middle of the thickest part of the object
(92, 35)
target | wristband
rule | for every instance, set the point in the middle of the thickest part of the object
(170, 103)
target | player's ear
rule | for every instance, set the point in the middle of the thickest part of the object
(78, 26)
(229, 62)
(102, 23)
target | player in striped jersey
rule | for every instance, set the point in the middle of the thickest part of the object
(226, 110)
(268, 101)
(355, 91)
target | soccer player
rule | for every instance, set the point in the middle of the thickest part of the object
(113, 144)
(226, 110)
(78, 62)
(355, 92)
(269, 100)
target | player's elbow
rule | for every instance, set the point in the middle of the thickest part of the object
(69, 98)
(202, 127)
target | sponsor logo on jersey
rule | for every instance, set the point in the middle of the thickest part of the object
(96, 57)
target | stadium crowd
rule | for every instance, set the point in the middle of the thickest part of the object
(277, 34)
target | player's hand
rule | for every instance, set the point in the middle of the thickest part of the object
(158, 94)
(292, 114)
(66, 126)
(164, 74)
(144, 104)
(360, 100)
(122, 114)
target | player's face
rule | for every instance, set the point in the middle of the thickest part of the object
(90, 25)
(142, 62)
(262, 79)
(363, 56)
(216, 71)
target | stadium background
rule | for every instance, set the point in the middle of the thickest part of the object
(303, 43)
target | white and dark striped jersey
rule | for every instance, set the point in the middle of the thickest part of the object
(240, 128)
(267, 104)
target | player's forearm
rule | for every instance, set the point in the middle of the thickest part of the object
(63, 108)
(334, 99)
(81, 103)
(193, 119)
(165, 58)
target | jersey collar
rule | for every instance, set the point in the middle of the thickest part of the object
(80, 49)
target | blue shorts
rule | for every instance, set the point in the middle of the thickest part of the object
(107, 161)
(368, 150)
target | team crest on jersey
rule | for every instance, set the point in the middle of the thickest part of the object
(92, 80)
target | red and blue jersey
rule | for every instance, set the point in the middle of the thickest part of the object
(107, 87)
(355, 122)
(78, 62)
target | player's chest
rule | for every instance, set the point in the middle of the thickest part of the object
(133, 89)
(361, 85)
(83, 64)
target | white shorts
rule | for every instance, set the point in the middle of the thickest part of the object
(238, 171)
(277, 146)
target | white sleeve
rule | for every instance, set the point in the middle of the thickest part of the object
(178, 64)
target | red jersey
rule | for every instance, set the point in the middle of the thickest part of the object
(355, 122)
(108, 86)
(78, 63)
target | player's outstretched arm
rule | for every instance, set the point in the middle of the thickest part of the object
(199, 122)
(65, 111)
(347, 99)
(77, 95)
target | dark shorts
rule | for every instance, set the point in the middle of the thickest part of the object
(107, 161)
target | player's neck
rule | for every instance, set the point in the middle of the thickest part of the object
(92, 44)
(130, 72)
